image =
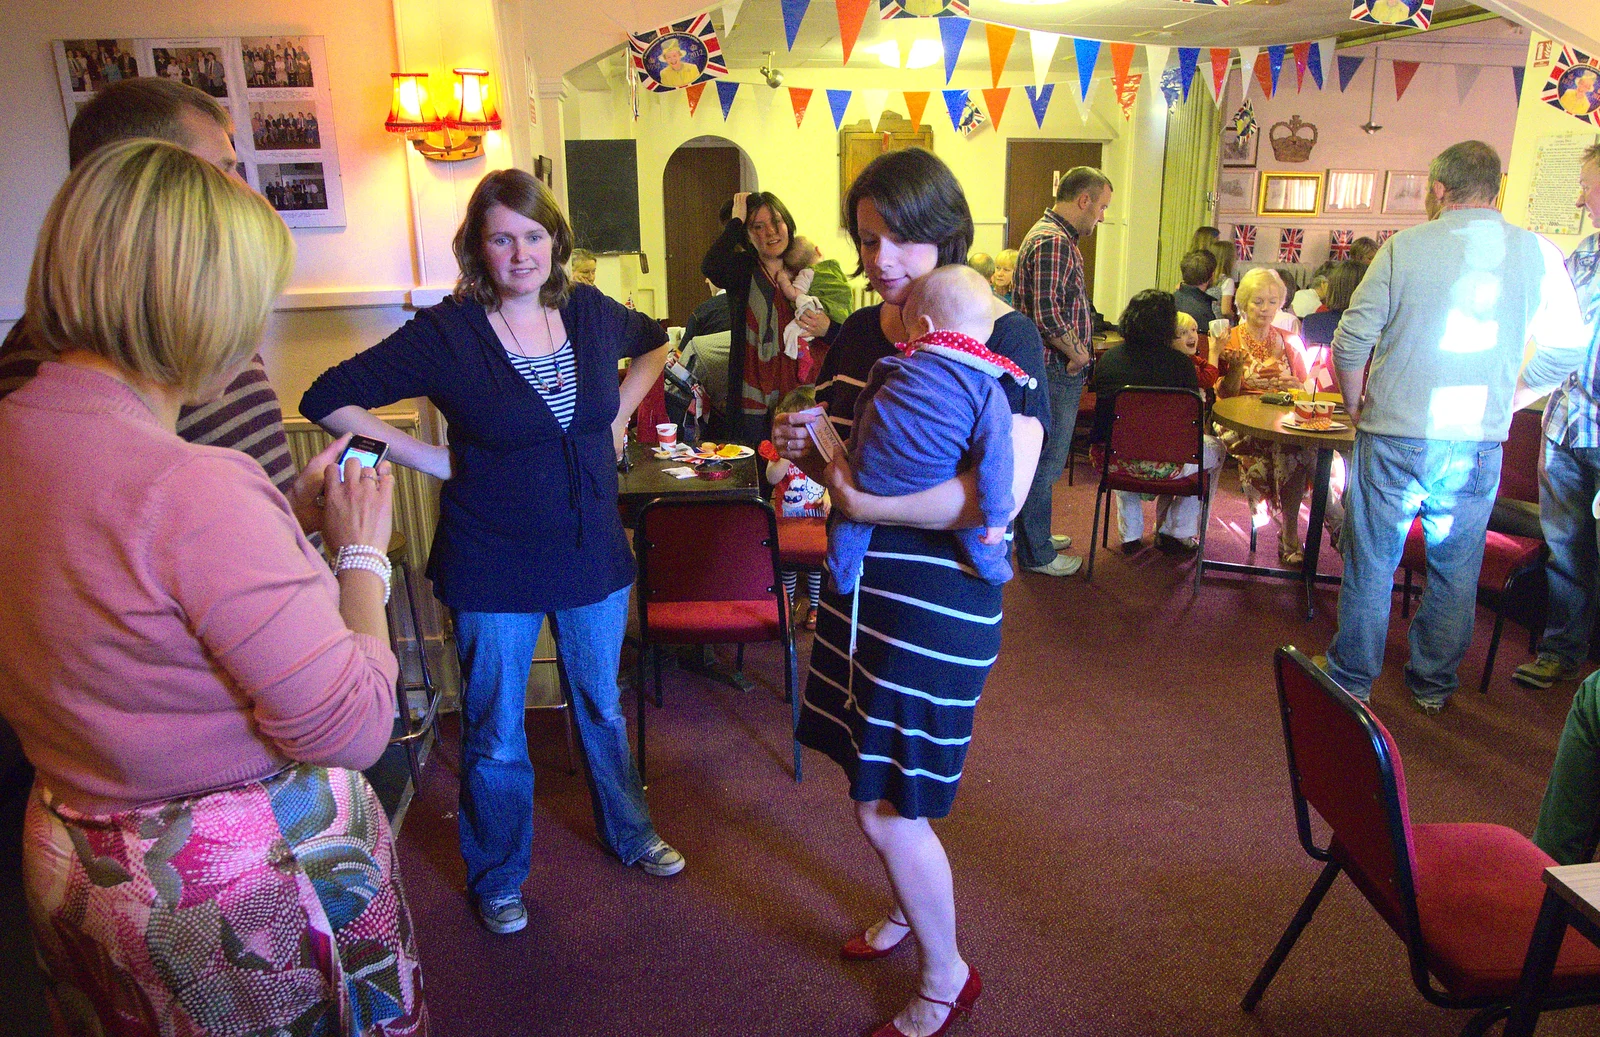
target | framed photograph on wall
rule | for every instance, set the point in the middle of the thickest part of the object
(1240, 152)
(1350, 190)
(1406, 192)
(1236, 191)
(1290, 194)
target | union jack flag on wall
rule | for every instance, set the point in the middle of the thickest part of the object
(1409, 14)
(677, 55)
(1574, 85)
(1339, 244)
(1244, 240)
(1385, 235)
(1290, 241)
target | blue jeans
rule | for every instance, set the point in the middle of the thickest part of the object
(496, 809)
(1032, 533)
(1567, 483)
(1394, 479)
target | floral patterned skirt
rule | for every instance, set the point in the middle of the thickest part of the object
(272, 907)
(1267, 468)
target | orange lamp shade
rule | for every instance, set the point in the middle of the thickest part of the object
(474, 109)
(410, 111)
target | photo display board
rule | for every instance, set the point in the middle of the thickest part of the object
(274, 87)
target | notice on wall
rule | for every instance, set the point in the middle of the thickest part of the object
(1552, 207)
(275, 88)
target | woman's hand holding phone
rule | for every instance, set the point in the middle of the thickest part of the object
(358, 508)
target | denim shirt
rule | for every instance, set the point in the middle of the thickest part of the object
(1572, 417)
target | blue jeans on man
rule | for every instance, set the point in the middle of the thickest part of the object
(1032, 533)
(1452, 486)
(1568, 480)
(496, 803)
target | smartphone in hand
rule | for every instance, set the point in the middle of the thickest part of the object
(365, 450)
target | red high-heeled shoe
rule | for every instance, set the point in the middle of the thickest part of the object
(858, 949)
(960, 1006)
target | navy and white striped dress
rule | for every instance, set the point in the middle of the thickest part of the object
(899, 721)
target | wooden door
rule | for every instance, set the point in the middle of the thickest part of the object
(1032, 169)
(696, 183)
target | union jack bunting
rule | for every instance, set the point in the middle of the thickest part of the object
(1574, 85)
(924, 9)
(1408, 14)
(1244, 240)
(1339, 244)
(1290, 241)
(1385, 235)
(678, 55)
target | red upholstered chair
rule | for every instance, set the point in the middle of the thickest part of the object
(1462, 897)
(1154, 423)
(708, 574)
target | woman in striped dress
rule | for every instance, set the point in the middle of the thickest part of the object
(896, 713)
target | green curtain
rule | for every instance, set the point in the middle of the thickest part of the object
(1188, 180)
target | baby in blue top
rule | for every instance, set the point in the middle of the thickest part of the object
(932, 412)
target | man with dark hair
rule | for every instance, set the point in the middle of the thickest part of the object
(1198, 269)
(1443, 313)
(1050, 289)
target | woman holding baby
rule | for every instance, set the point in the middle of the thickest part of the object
(749, 262)
(896, 712)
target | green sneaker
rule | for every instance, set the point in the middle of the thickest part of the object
(1545, 671)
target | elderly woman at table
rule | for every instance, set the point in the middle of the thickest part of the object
(523, 365)
(1258, 357)
(197, 690)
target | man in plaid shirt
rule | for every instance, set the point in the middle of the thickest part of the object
(1050, 289)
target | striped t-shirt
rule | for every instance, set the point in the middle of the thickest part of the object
(554, 378)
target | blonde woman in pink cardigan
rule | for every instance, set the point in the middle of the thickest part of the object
(195, 688)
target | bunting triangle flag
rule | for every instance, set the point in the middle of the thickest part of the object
(1000, 38)
(1466, 76)
(1155, 60)
(1516, 79)
(1121, 60)
(1039, 101)
(955, 101)
(1302, 58)
(693, 94)
(952, 33)
(1044, 52)
(1264, 74)
(1327, 50)
(838, 101)
(875, 101)
(1220, 58)
(1247, 64)
(1314, 63)
(794, 11)
(1128, 94)
(1188, 61)
(799, 100)
(916, 104)
(1275, 56)
(852, 13)
(1088, 52)
(1347, 70)
(730, 14)
(725, 92)
(995, 100)
(1403, 71)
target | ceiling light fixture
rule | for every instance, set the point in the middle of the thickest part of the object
(888, 52)
(1370, 127)
(773, 76)
(924, 53)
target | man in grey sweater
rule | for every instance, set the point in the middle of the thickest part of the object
(1444, 314)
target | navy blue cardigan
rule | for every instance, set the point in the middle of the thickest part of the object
(528, 520)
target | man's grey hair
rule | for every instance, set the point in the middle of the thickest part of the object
(1469, 171)
(1081, 180)
(141, 107)
(1592, 153)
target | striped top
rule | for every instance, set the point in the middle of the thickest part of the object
(554, 378)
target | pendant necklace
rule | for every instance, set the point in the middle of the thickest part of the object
(544, 386)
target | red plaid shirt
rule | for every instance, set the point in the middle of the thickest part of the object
(1049, 281)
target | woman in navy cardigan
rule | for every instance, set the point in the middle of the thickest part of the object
(522, 363)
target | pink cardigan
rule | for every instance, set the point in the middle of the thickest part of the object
(165, 628)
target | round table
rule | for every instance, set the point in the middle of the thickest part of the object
(1249, 416)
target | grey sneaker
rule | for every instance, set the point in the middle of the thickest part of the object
(1429, 707)
(1545, 671)
(1060, 541)
(661, 860)
(1063, 565)
(503, 914)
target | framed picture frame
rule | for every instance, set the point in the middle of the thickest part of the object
(1406, 191)
(1240, 152)
(1236, 192)
(1290, 194)
(1350, 191)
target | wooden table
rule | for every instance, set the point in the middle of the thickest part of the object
(1248, 416)
(1571, 898)
(645, 480)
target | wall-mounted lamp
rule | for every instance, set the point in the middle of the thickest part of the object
(459, 134)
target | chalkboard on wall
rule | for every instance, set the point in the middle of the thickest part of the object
(603, 194)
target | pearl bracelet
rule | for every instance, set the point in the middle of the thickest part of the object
(378, 565)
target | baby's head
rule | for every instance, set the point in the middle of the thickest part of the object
(1187, 340)
(801, 253)
(951, 298)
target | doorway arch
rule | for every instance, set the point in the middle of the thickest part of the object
(700, 177)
